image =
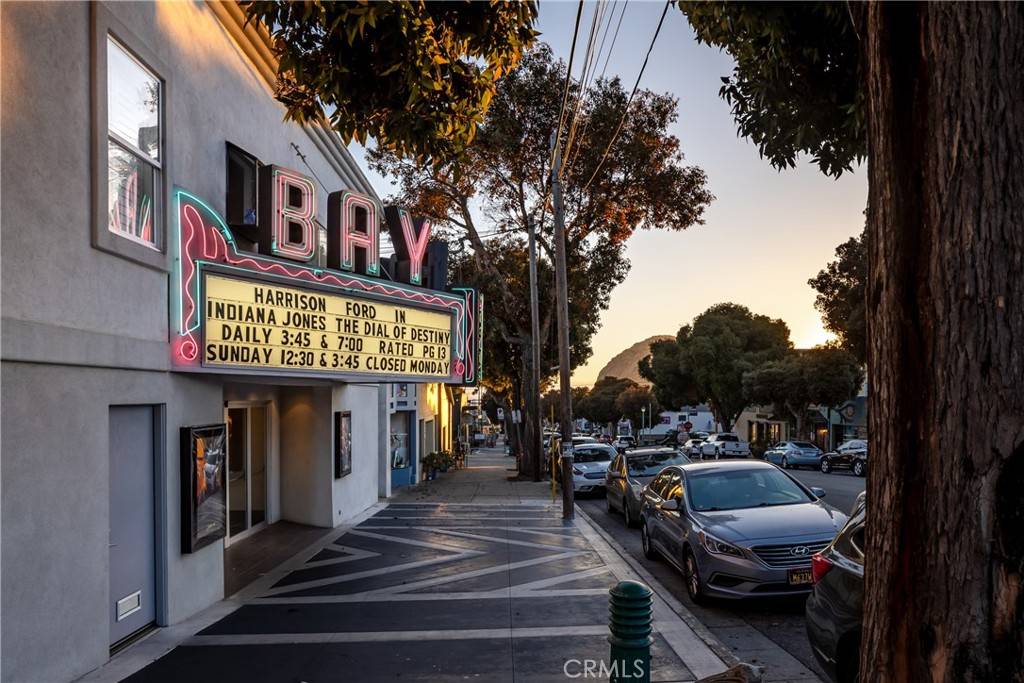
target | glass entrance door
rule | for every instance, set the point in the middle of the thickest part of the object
(247, 469)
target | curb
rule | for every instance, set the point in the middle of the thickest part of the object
(702, 631)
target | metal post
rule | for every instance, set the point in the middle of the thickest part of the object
(562, 295)
(629, 614)
(537, 438)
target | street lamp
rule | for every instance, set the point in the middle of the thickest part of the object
(643, 419)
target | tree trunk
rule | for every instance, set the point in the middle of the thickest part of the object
(944, 596)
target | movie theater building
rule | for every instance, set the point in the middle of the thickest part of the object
(200, 339)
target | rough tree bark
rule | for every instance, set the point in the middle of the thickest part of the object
(945, 552)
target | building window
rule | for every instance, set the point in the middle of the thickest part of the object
(342, 444)
(130, 97)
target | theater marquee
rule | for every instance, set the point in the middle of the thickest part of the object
(275, 312)
(256, 325)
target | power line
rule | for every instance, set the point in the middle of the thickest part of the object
(636, 86)
(568, 77)
(571, 161)
(589, 67)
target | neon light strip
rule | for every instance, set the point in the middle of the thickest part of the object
(352, 238)
(416, 245)
(200, 243)
(284, 214)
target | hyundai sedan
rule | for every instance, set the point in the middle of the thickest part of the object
(736, 529)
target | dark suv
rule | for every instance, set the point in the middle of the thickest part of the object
(834, 609)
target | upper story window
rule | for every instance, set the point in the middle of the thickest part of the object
(134, 154)
(131, 174)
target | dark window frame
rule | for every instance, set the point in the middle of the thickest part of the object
(105, 25)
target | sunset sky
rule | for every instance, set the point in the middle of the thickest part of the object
(765, 234)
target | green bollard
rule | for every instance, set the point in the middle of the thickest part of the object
(630, 625)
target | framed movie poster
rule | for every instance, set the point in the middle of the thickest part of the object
(342, 444)
(203, 500)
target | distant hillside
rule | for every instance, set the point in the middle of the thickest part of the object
(625, 363)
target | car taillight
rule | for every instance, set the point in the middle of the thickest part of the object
(820, 565)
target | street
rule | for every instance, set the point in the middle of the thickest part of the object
(743, 626)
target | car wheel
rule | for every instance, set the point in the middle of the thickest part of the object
(858, 468)
(718, 454)
(645, 541)
(691, 576)
(826, 466)
(785, 463)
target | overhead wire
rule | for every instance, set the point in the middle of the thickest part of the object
(625, 111)
(600, 50)
(589, 67)
(568, 81)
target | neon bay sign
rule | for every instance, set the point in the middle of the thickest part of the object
(326, 345)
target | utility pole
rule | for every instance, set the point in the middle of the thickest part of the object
(562, 295)
(536, 439)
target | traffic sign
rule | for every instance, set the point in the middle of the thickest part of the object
(687, 425)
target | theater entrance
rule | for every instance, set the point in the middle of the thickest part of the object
(247, 469)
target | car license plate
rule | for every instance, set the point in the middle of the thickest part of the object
(800, 577)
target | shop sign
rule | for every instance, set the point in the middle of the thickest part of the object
(275, 311)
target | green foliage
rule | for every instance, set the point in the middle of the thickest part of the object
(821, 376)
(416, 76)
(708, 359)
(504, 177)
(634, 402)
(841, 299)
(671, 380)
(599, 405)
(796, 86)
(551, 402)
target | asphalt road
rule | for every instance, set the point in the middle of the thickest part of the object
(780, 620)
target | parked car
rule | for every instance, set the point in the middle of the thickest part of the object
(834, 609)
(724, 445)
(736, 529)
(788, 454)
(852, 455)
(630, 472)
(624, 442)
(692, 448)
(590, 463)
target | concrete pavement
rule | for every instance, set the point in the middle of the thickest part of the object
(473, 576)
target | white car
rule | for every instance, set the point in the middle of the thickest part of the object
(589, 466)
(724, 445)
(691, 448)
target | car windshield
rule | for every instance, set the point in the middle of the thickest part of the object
(593, 454)
(749, 488)
(802, 444)
(649, 464)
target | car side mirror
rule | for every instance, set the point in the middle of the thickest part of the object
(818, 491)
(669, 505)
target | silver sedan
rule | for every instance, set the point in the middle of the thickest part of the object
(736, 529)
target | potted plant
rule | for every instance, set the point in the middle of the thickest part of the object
(431, 464)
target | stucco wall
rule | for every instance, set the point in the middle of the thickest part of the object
(358, 490)
(55, 511)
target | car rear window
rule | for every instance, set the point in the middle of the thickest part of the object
(726, 437)
(593, 454)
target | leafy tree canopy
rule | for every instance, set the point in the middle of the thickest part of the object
(416, 76)
(672, 382)
(821, 376)
(841, 299)
(551, 401)
(637, 404)
(712, 355)
(599, 405)
(489, 197)
(796, 86)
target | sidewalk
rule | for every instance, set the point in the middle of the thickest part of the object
(471, 576)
